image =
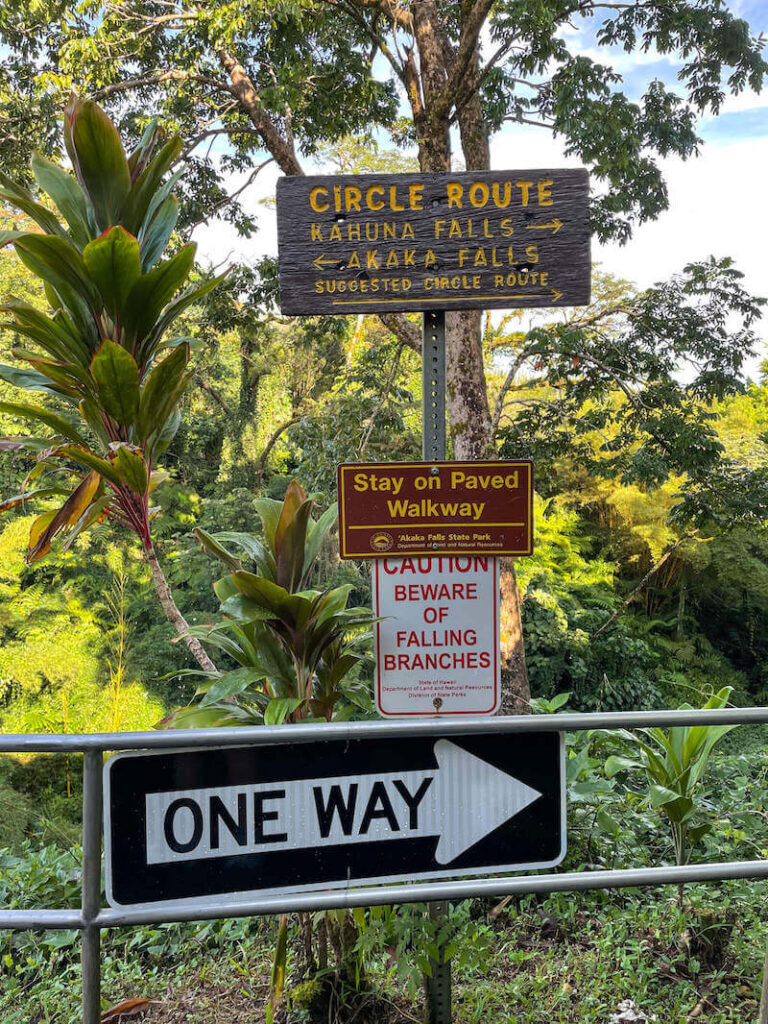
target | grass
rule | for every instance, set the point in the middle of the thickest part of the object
(560, 960)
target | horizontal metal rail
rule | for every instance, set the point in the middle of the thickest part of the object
(316, 732)
(91, 917)
(571, 881)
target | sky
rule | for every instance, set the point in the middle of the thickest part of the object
(718, 201)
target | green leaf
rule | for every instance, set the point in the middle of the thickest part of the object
(117, 378)
(280, 708)
(114, 263)
(269, 510)
(161, 391)
(661, 795)
(94, 147)
(616, 764)
(31, 380)
(608, 823)
(144, 188)
(138, 159)
(58, 262)
(697, 832)
(175, 309)
(53, 334)
(195, 717)
(85, 457)
(316, 534)
(67, 194)
(8, 235)
(217, 550)
(23, 200)
(92, 416)
(159, 440)
(154, 290)
(132, 469)
(155, 237)
(22, 499)
(43, 415)
(238, 606)
(229, 684)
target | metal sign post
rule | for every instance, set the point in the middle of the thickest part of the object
(433, 448)
(433, 386)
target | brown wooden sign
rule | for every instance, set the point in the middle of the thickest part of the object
(391, 509)
(483, 240)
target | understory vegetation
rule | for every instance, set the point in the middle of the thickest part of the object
(168, 453)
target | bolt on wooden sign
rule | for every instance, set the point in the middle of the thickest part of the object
(421, 508)
(480, 240)
(437, 638)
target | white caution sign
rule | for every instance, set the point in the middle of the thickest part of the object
(460, 802)
(437, 644)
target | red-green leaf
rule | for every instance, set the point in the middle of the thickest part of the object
(98, 158)
(68, 515)
(43, 415)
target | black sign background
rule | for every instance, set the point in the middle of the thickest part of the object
(534, 836)
(482, 256)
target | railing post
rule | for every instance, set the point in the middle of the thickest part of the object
(91, 886)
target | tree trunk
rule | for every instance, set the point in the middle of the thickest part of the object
(515, 688)
(763, 1015)
(467, 390)
(173, 614)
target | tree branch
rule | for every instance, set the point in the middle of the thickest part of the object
(403, 329)
(467, 49)
(630, 597)
(243, 89)
(129, 84)
(380, 404)
(262, 463)
(506, 387)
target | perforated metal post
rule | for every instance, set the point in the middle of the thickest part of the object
(91, 887)
(433, 386)
(438, 986)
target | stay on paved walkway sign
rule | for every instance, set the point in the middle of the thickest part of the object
(480, 240)
(253, 820)
(421, 508)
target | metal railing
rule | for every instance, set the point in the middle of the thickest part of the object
(92, 917)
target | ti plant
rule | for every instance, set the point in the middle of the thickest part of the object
(292, 643)
(674, 762)
(103, 357)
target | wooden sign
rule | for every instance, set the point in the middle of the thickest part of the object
(481, 240)
(426, 508)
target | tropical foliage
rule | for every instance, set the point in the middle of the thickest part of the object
(104, 351)
(291, 642)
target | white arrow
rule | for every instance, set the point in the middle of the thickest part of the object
(461, 801)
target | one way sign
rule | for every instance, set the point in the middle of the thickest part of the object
(254, 820)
